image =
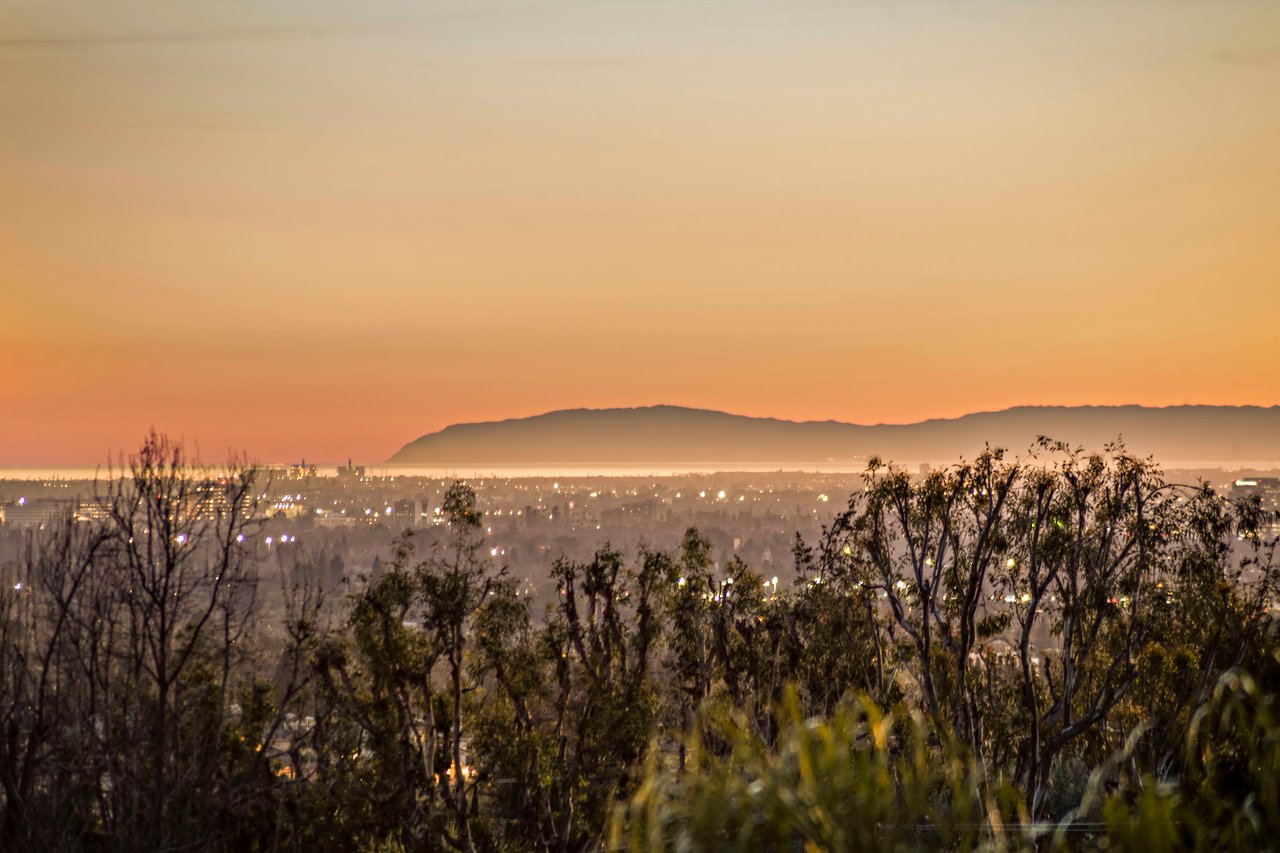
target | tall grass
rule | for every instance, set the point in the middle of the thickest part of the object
(870, 779)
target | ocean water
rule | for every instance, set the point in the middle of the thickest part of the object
(509, 471)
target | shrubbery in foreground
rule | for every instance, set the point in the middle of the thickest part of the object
(868, 780)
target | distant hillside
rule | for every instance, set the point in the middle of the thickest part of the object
(675, 435)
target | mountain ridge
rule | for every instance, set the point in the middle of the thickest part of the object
(679, 434)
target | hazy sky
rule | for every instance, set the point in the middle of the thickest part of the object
(323, 228)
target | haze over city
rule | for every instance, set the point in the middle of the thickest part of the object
(322, 229)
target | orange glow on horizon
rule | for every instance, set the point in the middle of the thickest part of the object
(320, 232)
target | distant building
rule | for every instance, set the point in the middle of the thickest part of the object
(350, 472)
(406, 514)
(301, 471)
(212, 499)
(1267, 489)
(325, 517)
(1256, 484)
(93, 509)
(37, 514)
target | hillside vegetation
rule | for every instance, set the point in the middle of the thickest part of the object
(1056, 651)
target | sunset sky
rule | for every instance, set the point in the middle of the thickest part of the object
(309, 228)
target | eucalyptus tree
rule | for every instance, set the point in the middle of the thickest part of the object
(1088, 551)
(400, 679)
(688, 602)
(1130, 596)
(928, 549)
(574, 701)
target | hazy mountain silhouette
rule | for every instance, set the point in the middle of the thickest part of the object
(674, 435)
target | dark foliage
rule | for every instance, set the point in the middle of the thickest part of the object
(1005, 654)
